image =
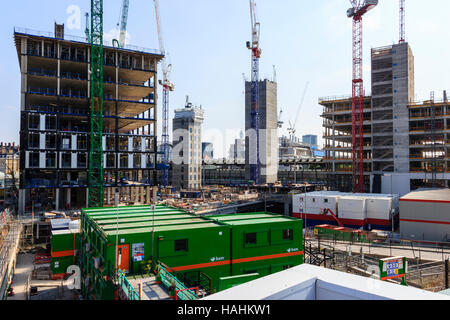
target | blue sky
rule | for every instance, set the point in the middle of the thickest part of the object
(306, 40)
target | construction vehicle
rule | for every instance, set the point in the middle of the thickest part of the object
(326, 211)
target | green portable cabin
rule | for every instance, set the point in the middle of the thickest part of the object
(263, 243)
(65, 245)
(185, 244)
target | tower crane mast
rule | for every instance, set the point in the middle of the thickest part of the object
(167, 87)
(95, 170)
(402, 22)
(254, 46)
(123, 22)
(356, 12)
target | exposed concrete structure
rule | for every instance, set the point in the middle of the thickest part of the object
(187, 148)
(425, 215)
(55, 127)
(268, 124)
(405, 143)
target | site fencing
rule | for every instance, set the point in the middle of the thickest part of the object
(363, 259)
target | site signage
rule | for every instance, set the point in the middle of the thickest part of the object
(393, 268)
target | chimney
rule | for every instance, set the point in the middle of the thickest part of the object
(59, 31)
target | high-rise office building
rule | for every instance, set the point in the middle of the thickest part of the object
(187, 148)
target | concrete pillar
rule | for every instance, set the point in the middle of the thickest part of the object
(57, 200)
(155, 194)
(147, 194)
(68, 198)
(21, 201)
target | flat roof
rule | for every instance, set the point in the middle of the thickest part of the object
(136, 215)
(146, 218)
(165, 228)
(431, 195)
(65, 231)
(242, 217)
(150, 224)
(256, 221)
(308, 282)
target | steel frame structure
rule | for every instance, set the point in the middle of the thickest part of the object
(95, 171)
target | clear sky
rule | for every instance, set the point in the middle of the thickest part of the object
(307, 41)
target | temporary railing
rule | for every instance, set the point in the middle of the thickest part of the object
(127, 288)
(182, 292)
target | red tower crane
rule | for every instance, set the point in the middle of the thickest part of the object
(402, 21)
(359, 8)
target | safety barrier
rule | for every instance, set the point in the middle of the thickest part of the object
(127, 288)
(181, 291)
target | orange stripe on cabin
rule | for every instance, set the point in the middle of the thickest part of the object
(60, 254)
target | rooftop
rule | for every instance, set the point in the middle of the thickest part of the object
(431, 195)
(82, 40)
(308, 282)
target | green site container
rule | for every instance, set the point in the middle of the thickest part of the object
(65, 240)
(190, 247)
(59, 265)
(264, 243)
(65, 245)
(178, 243)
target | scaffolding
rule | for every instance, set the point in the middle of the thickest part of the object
(10, 230)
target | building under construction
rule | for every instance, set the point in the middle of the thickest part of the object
(405, 143)
(55, 120)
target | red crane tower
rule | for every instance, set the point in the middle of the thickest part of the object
(359, 8)
(254, 46)
(402, 21)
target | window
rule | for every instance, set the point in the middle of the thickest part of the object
(34, 121)
(288, 234)
(34, 141)
(50, 160)
(314, 199)
(250, 238)
(181, 245)
(34, 160)
(325, 200)
(50, 141)
(81, 160)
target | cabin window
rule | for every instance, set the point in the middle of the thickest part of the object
(181, 245)
(250, 238)
(288, 234)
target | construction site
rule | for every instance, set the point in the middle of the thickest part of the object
(98, 203)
